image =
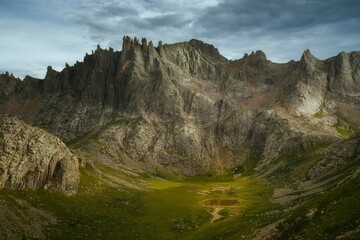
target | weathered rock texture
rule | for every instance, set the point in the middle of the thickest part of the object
(339, 156)
(184, 107)
(20, 98)
(32, 158)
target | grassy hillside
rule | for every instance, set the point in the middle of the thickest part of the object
(331, 215)
(280, 201)
(162, 210)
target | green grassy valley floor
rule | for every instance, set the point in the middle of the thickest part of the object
(154, 208)
(161, 210)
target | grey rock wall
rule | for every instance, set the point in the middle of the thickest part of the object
(32, 158)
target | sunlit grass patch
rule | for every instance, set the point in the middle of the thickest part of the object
(172, 209)
(160, 184)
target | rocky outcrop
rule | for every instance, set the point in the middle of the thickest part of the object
(344, 73)
(208, 50)
(308, 86)
(20, 98)
(343, 156)
(271, 136)
(154, 146)
(32, 158)
(7, 86)
(110, 85)
(314, 80)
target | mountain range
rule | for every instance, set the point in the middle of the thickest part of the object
(123, 124)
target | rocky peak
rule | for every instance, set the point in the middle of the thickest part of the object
(208, 50)
(7, 74)
(127, 48)
(50, 72)
(131, 48)
(308, 62)
(257, 58)
(308, 86)
(20, 98)
(260, 55)
(28, 88)
(7, 85)
(344, 74)
(143, 42)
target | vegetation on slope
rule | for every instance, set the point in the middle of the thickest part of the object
(164, 210)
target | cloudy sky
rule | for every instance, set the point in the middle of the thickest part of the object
(38, 33)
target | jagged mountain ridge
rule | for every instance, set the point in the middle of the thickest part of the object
(185, 108)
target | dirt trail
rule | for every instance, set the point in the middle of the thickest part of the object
(216, 214)
(218, 204)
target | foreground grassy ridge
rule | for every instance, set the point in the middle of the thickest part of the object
(173, 210)
(167, 210)
(332, 215)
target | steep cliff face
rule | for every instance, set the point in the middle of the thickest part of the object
(315, 83)
(344, 73)
(7, 86)
(80, 97)
(309, 85)
(33, 158)
(189, 109)
(20, 98)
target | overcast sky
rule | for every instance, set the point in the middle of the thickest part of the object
(37, 33)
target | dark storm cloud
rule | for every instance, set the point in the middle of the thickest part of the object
(232, 16)
(281, 28)
(168, 20)
(156, 20)
(114, 9)
(58, 31)
(297, 24)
